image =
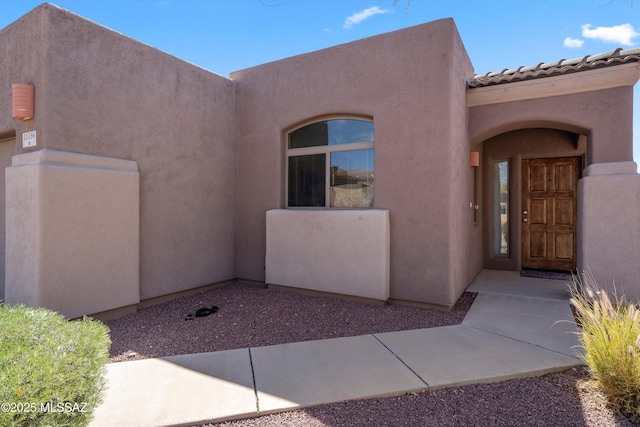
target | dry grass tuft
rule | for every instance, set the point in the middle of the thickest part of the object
(610, 336)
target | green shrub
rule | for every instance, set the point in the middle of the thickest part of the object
(51, 369)
(610, 336)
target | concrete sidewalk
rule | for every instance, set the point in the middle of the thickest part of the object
(517, 327)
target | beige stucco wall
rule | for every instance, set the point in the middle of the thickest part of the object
(102, 93)
(7, 148)
(419, 115)
(210, 151)
(609, 226)
(605, 116)
(338, 251)
(23, 51)
(72, 232)
(466, 234)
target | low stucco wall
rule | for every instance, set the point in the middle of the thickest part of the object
(72, 232)
(609, 226)
(339, 251)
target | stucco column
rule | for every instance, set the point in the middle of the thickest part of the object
(609, 226)
(72, 232)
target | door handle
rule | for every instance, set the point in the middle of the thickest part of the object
(524, 212)
(524, 220)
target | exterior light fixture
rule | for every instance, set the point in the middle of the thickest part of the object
(23, 99)
(475, 159)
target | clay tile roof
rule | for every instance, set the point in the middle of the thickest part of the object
(564, 66)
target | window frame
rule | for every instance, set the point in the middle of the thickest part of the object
(327, 150)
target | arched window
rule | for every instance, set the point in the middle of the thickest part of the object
(331, 154)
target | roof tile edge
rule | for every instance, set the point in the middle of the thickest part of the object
(562, 67)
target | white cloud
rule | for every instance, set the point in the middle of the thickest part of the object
(358, 17)
(573, 43)
(622, 34)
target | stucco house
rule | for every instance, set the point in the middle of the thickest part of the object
(382, 168)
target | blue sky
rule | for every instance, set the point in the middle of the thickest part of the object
(229, 35)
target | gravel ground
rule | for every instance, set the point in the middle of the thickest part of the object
(564, 399)
(251, 316)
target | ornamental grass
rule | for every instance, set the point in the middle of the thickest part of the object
(610, 337)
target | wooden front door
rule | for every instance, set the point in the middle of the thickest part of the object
(549, 199)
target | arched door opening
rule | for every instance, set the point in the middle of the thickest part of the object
(530, 199)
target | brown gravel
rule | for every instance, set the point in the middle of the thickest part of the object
(251, 316)
(564, 399)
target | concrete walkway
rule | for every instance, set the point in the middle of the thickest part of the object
(517, 327)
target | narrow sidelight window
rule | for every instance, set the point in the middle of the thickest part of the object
(501, 208)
